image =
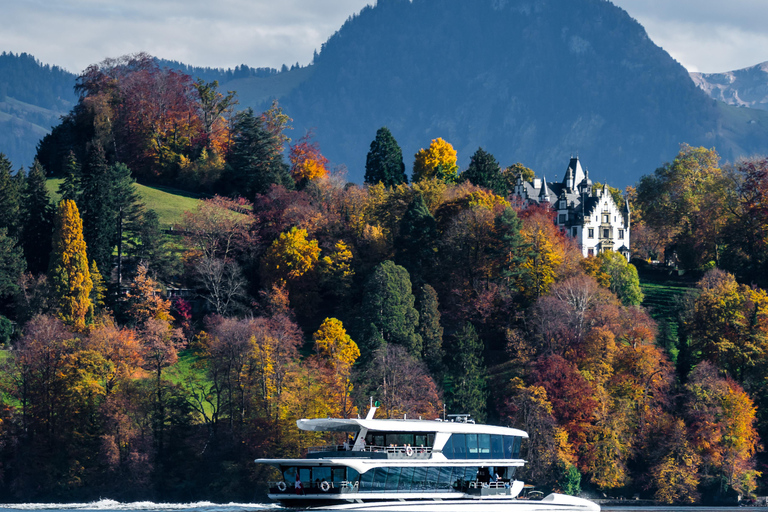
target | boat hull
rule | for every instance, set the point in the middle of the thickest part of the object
(552, 503)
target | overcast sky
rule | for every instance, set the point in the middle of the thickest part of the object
(703, 35)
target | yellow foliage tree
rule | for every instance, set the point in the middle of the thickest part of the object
(145, 301)
(291, 256)
(68, 270)
(540, 269)
(337, 353)
(439, 161)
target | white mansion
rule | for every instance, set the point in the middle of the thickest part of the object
(591, 216)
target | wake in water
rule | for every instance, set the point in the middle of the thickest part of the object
(111, 505)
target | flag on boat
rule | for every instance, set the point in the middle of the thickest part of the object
(298, 483)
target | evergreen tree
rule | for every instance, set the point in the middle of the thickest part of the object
(10, 199)
(37, 214)
(416, 239)
(68, 271)
(485, 171)
(384, 163)
(11, 264)
(388, 304)
(94, 201)
(99, 290)
(430, 330)
(70, 187)
(255, 161)
(127, 210)
(467, 373)
(511, 249)
(151, 246)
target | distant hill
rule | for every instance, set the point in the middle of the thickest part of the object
(529, 81)
(32, 98)
(746, 87)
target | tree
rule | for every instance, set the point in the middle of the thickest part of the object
(430, 330)
(307, 163)
(255, 161)
(95, 200)
(384, 163)
(467, 391)
(143, 301)
(69, 188)
(510, 248)
(624, 281)
(514, 172)
(484, 171)
(37, 215)
(10, 199)
(290, 256)
(388, 306)
(213, 106)
(439, 161)
(416, 239)
(68, 270)
(337, 353)
(12, 264)
(544, 259)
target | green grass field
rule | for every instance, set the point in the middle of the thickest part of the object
(170, 204)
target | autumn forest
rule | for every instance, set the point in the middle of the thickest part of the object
(152, 361)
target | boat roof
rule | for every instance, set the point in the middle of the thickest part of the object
(395, 425)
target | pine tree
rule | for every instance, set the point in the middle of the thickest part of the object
(37, 214)
(467, 372)
(10, 199)
(510, 248)
(127, 210)
(384, 163)
(416, 239)
(11, 264)
(388, 304)
(430, 330)
(95, 201)
(70, 187)
(68, 271)
(484, 171)
(255, 161)
(99, 290)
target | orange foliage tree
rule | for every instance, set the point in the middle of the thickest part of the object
(307, 163)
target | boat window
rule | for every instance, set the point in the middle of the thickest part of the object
(420, 482)
(459, 446)
(472, 452)
(431, 478)
(304, 475)
(497, 447)
(448, 448)
(430, 440)
(406, 479)
(484, 445)
(444, 480)
(320, 474)
(375, 440)
(516, 448)
(393, 478)
(380, 479)
(509, 445)
(421, 441)
(352, 475)
(366, 479)
(289, 475)
(338, 475)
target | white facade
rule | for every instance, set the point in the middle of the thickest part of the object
(588, 215)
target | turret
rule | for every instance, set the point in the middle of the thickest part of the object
(585, 187)
(544, 196)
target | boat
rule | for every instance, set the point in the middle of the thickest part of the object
(442, 465)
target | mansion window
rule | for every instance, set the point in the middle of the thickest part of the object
(575, 232)
(606, 218)
(591, 233)
(606, 233)
(562, 218)
(621, 234)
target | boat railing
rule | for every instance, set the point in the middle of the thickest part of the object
(392, 452)
(317, 487)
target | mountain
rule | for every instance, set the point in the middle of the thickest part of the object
(32, 98)
(746, 87)
(534, 81)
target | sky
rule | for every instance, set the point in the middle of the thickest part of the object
(703, 35)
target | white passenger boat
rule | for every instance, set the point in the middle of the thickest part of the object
(412, 465)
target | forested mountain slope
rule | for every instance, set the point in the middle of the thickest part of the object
(528, 81)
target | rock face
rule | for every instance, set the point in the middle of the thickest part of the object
(746, 87)
(529, 81)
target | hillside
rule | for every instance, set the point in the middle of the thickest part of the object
(170, 204)
(746, 87)
(528, 81)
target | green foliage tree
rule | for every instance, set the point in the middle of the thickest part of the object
(467, 392)
(514, 172)
(510, 248)
(10, 199)
(484, 171)
(255, 161)
(416, 239)
(68, 270)
(12, 264)
(430, 330)
(384, 163)
(388, 305)
(37, 214)
(625, 282)
(70, 186)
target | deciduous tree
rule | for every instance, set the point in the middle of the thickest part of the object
(438, 161)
